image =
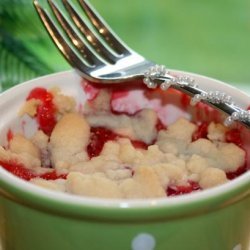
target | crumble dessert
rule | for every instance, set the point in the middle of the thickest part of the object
(99, 152)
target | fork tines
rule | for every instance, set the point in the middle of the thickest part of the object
(96, 50)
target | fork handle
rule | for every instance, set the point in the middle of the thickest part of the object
(158, 76)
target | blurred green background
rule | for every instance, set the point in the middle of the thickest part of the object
(207, 37)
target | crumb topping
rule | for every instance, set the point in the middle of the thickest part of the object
(134, 159)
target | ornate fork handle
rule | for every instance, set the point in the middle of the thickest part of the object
(158, 76)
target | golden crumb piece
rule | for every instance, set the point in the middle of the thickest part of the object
(110, 150)
(212, 177)
(64, 104)
(23, 158)
(176, 137)
(216, 132)
(19, 144)
(69, 140)
(226, 156)
(101, 103)
(95, 185)
(196, 164)
(29, 107)
(56, 185)
(5, 155)
(144, 184)
(127, 152)
(41, 141)
(232, 157)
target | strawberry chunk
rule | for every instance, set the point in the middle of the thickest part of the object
(241, 170)
(24, 173)
(99, 136)
(46, 111)
(234, 136)
(201, 132)
(53, 176)
(178, 190)
(18, 170)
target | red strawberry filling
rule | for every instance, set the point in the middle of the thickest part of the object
(234, 136)
(201, 132)
(237, 173)
(99, 136)
(24, 173)
(45, 111)
(178, 190)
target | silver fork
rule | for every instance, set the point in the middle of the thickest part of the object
(102, 57)
(111, 62)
